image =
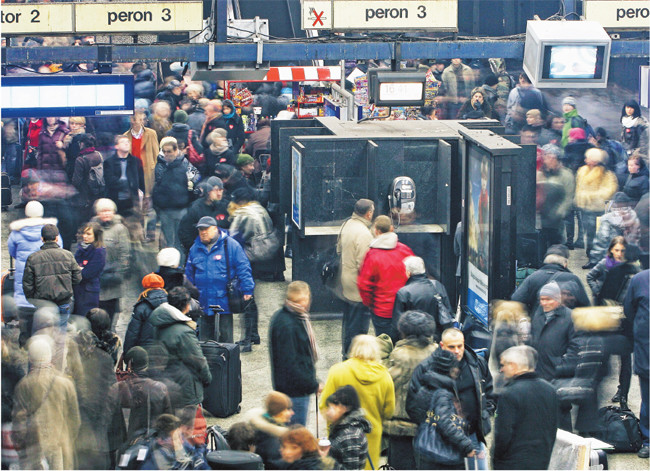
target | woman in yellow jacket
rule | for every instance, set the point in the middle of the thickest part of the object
(595, 185)
(373, 383)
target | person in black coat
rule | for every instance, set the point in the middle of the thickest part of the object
(636, 310)
(422, 294)
(527, 414)
(474, 386)
(234, 125)
(91, 257)
(555, 269)
(217, 151)
(292, 347)
(211, 204)
(140, 332)
(124, 176)
(440, 394)
(636, 183)
(554, 338)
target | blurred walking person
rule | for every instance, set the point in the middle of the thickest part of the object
(526, 417)
(24, 240)
(293, 351)
(118, 254)
(45, 415)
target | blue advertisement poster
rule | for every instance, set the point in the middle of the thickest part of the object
(478, 234)
(296, 177)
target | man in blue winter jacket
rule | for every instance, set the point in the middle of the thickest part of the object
(212, 251)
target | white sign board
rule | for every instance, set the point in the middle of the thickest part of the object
(138, 17)
(36, 18)
(381, 15)
(619, 14)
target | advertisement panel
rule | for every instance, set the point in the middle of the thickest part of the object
(478, 233)
(296, 183)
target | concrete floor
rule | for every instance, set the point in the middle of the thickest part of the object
(256, 375)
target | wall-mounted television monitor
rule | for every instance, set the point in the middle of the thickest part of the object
(567, 54)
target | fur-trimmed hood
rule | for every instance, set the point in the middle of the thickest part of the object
(597, 318)
(256, 418)
(20, 224)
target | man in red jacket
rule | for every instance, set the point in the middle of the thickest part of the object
(382, 275)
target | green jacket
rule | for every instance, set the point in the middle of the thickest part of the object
(570, 122)
(187, 366)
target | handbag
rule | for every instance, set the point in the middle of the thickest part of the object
(233, 292)
(329, 273)
(573, 390)
(429, 443)
(264, 246)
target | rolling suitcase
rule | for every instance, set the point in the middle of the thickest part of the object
(233, 459)
(222, 398)
(6, 196)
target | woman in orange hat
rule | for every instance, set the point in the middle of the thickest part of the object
(140, 331)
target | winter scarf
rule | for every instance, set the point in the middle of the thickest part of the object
(611, 262)
(303, 315)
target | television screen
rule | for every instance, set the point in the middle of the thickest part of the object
(573, 62)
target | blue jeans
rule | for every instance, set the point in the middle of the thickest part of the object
(300, 409)
(644, 419)
(64, 312)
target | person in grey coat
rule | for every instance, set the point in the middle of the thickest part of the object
(118, 254)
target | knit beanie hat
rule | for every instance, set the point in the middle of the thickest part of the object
(276, 402)
(168, 257)
(569, 100)
(152, 281)
(558, 249)
(40, 350)
(138, 358)
(444, 361)
(244, 159)
(552, 290)
(180, 116)
(34, 209)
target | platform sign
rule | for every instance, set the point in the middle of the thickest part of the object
(36, 18)
(381, 15)
(138, 17)
(620, 14)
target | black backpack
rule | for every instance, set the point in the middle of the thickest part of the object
(620, 428)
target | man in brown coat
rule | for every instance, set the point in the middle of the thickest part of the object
(352, 246)
(144, 146)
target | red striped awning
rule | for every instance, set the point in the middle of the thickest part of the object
(302, 74)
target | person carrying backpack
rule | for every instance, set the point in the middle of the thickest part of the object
(88, 176)
(573, 120)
